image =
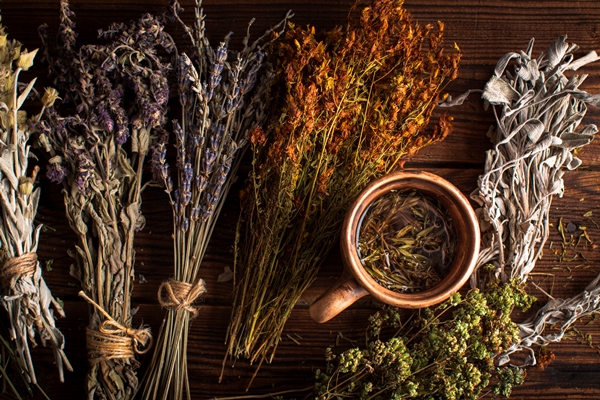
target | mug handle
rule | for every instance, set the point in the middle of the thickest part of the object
(337, 298)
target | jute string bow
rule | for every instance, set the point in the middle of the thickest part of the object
(108, 342)
(13, 268)
(180, 295)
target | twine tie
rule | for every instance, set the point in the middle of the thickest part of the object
(179, 295)
(113, 340)
(14, 268)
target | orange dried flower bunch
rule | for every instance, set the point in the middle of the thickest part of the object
(354, 102)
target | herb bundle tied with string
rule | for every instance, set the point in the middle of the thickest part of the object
(223, 95)
(355, 101)
(115, 104)
(25, 295)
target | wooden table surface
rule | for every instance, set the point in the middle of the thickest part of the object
(484, 30)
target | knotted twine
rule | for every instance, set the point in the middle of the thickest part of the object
(108, 342)
(16, 267)
(180, 295)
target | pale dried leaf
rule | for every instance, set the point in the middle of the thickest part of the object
(557, 51)
(226, 275)
(498, 91)
(23, 96)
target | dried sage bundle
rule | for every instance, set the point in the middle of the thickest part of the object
(24, 293)
(538, 109)
(117, 92)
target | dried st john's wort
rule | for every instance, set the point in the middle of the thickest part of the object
(538, 109)
(24, 293)
(117, 93)
(223, 97)
(352, 103)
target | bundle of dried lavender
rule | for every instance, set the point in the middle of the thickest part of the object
(223, 95)
(25, 295)
(118, 93)
(538, 109)
(354, 102)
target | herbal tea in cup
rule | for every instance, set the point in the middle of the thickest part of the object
(406, 241)
(410, 239)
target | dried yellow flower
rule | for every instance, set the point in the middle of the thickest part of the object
(25, 185)
(21, 119)
(49, 97)
(26, 60)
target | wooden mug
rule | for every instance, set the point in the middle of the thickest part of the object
(356, 282)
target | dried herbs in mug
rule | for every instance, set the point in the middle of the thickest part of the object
(406, 241)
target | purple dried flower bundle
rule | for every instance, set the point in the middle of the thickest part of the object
(117, 93)
(24, 294)
(223, 96)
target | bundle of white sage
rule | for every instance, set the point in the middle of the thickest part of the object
(538, 109)
(24, 293)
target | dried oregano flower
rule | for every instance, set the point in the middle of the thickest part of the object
(354, 101)
(115, 106)
(223, 96)
(25, 296)
(442, 352)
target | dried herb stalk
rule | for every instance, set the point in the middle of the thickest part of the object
(115, 106)
(223, 95)
(538, 110)
(13, 371)
(354, 102)
(25, 296)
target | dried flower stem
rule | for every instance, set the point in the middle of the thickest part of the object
(25, 295)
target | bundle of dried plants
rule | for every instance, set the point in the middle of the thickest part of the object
(538, 109)
(25, 295)
(115, 102)
(355, 101)
(223, 95)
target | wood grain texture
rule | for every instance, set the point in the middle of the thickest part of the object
(484, 30)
